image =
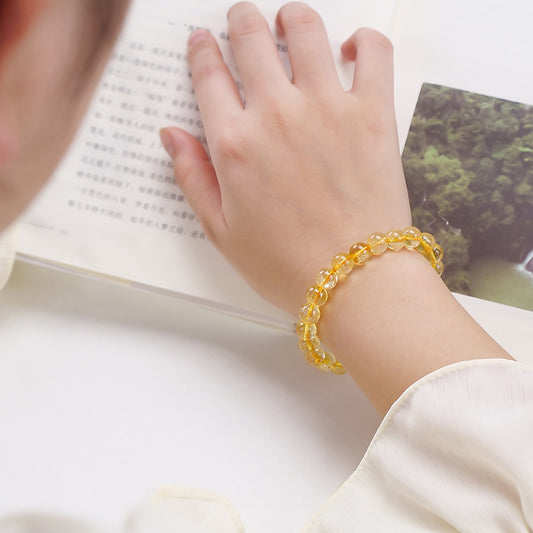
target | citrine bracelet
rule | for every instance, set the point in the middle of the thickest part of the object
(342, 265)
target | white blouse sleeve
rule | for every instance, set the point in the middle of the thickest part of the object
(454, 453)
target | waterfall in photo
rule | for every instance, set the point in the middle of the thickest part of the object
(527, 264)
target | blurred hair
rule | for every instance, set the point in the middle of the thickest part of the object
(101, 25)
(104, 21)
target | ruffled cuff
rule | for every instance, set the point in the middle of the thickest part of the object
(454, 453)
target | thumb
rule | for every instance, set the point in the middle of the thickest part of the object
(196, 177)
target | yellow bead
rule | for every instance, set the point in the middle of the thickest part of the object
(317, 296)
(309, 345)
(395, 240)
(439, 267)
(427, 242)
(305, 346)
(360, 253)
(342, 264)
(306, 331)
(437, 252)
(428, 239)
(315, 357)
(310, 314)
(377, 242)
(327, 279)
(412, 237)
(315, 343)
(338, 369)
(327, 362)
(330, 358)
(311, 359)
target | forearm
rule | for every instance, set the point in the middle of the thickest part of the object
(393, 321)
(300, 169)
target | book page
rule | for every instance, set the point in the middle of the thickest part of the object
(112, 206)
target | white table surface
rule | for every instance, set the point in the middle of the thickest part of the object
(107, 393)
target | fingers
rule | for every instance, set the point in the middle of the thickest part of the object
(308, 45)
(216, 92)
(196, 177)
(374, 72)
(255, 51)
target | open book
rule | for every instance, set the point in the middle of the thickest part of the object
(112, 208)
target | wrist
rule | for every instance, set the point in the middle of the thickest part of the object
(394, 321)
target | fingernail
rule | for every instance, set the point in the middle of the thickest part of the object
(167, 139)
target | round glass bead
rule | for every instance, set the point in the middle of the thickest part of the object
(377, 242)
(306, 331)
(395, 240)
(324, 367)
(342, 264)
(315, 357)
(310, 314)
(427, 242)
(359, 253)
(437, 252)
(327, 362)
(317, 296)
(310, 358)
(327, 279)
(329, 358)
(428, 239)
(315, 343)
(305, 346)
(309, 345)
(412, 237)
(439, 267)
(338, 369)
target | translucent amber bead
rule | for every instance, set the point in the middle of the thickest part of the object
(315, 343)
(306, 331)
(305, 346)
(310, 314)
(437, 252)
(338, 369)
(395, 240)
(439, 268)
(412, 237)
(310, 358)
(329, 358)
(317, 296)
(360, 253)
(310, 345)
(327, 362)
(377, 242)
(342, 264)
(327, 279)
(315, 357)
(427, 242)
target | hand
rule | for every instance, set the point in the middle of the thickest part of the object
(299, 173)
(305, 168)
